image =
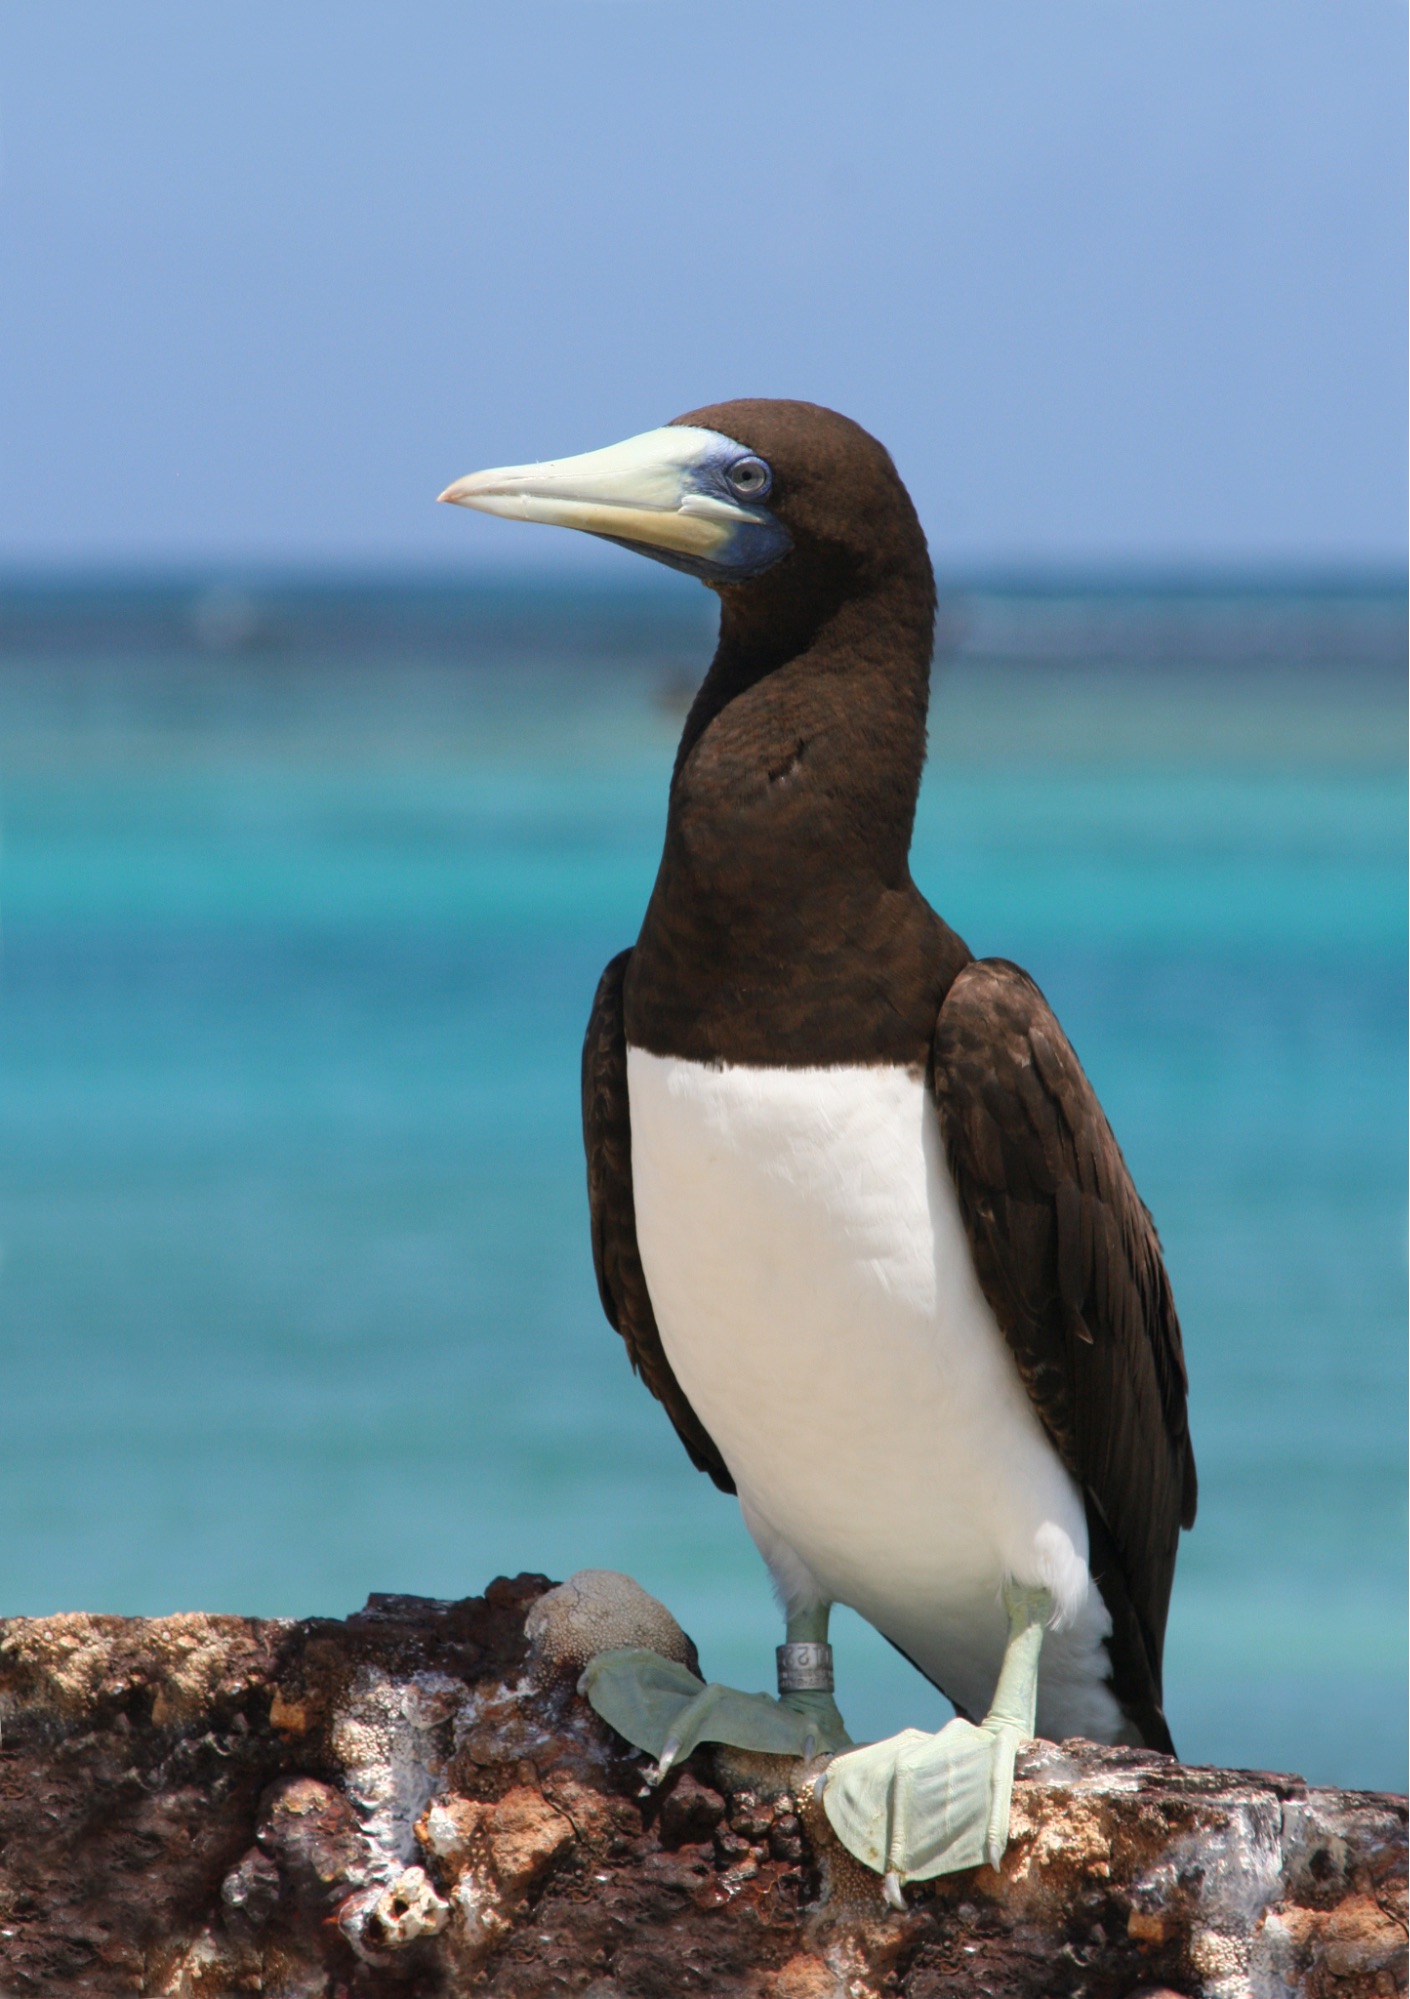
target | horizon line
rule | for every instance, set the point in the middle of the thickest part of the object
(1315, 576)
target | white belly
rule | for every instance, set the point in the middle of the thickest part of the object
(817, 1300)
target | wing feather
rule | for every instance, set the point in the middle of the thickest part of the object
(1071, 1264)
(621, 1281)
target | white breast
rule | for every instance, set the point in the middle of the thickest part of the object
(817, 1300)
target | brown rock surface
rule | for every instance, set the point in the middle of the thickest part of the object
(410, 1803)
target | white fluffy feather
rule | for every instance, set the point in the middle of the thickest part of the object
(817, 1300)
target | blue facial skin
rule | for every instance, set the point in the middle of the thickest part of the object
(754, 546)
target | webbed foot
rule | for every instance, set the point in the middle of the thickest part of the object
(663, 1708)
(920, 1805)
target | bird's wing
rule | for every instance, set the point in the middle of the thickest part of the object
(1070, 1262)
(621, 1281)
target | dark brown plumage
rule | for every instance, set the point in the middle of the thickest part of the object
(1070, 1262)
(621, 1281)
(784, 929)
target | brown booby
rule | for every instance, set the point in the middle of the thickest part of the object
(856, 1211)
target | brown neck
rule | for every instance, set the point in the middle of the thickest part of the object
(784, 925)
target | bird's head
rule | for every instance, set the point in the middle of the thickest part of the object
(729, 493)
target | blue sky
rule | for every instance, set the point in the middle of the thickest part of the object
(1116, 280)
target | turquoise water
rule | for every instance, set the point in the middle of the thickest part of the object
(304, 898)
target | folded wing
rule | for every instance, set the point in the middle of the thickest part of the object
(1071, 1264)
(621, 1281)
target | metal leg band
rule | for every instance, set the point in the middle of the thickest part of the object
(805, 1667)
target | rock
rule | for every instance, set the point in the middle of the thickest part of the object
(690, 1811)
(378, 1922)
(601, 1610)
(311, 1835)
(417, 1802)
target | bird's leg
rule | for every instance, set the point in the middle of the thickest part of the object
(920, 1805)
(805, 1680)
(663, 1708)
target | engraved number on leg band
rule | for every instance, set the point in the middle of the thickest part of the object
(805, 1667)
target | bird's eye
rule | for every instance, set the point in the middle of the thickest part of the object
(750, 478)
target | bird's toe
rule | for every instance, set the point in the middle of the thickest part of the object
(919, 1805)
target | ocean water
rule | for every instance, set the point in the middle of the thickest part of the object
(305, 891)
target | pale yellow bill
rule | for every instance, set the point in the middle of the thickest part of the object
(638, 491)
